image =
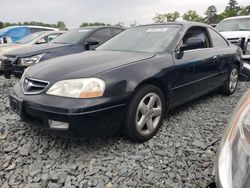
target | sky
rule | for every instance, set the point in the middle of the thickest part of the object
(75, 12)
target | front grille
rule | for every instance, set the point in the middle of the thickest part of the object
(6, 61)
(33, 86)
(234, 40)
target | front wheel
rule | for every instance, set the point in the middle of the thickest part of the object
(145, 114)
(231, 84)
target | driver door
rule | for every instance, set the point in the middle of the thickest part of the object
(194, 68)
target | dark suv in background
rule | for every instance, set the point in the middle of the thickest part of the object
(71, 42)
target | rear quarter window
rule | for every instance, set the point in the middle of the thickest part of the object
(217, 40)
(116, 31)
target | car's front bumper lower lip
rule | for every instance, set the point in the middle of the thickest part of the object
(95, 121)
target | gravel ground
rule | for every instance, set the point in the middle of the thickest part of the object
(180, 155)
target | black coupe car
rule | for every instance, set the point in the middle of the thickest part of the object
(130, 82)
(71, 42)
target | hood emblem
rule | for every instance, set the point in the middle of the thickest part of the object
(33, 86)
(27, 85)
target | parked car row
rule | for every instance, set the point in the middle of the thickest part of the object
(41, 37)
(74, 41)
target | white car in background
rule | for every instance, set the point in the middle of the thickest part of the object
(237, 31)
(41, 37)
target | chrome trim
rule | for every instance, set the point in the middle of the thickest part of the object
(35, 80)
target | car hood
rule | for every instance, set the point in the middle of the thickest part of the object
(83, 65)
(37, 49)
(8, 47)
(235, 34)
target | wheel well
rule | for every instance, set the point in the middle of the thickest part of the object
(158, 83)
(237, 63)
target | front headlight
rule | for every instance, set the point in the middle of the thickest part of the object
(27, 61)
(233, 158)
(78, 88)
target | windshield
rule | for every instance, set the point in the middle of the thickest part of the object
(3, 31)
(152, 39)
(72, 36)
(239, 24)
(30, 37)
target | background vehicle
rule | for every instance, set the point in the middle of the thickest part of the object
(232, 168)
(73, 41)
(130, 80)
(14, 33)
(41, 37)
(237, 31)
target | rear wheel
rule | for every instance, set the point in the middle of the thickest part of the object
(231, 84)
(145, 114)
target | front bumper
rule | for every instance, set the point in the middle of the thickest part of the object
(98, 116)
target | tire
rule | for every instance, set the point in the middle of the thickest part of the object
(231, 83)
(144, 114)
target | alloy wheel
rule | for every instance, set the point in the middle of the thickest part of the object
(148, 114)
(233, 80)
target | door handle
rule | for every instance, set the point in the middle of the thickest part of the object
(215, 58)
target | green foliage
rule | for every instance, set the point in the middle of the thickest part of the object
(169, 17)
(244, 11)
(234, 10)
(61, 25)
(192, 15)
(85, 24)
(232, 5)
(212, 17)
(120, 24)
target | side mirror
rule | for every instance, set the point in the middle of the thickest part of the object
(50, 38)
(91, 44)
(193, 43)
(41, 41)
(5, 40)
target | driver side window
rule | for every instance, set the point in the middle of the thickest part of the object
(198, 33)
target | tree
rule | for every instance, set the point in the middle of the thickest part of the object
(120, 24)
(169, 17)
(232, 5)
(85, 24)
(192, 15)
(1, 25)
(133, 24)
(211, 15)
(244, 11)
(231, 10)
(61, 25)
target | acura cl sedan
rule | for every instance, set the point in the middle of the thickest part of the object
(130, 82)
(232, 167)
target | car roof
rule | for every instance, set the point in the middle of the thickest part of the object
(31, 26)
(99, 27)
(183, 23)
(52, 32)
(236, 17)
